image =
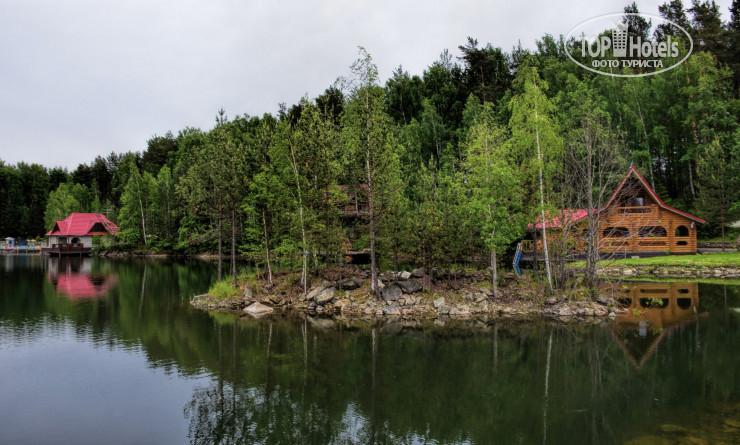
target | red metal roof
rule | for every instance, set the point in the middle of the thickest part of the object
(80, 224)
(569, 216)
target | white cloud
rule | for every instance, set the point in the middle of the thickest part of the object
(82, 78)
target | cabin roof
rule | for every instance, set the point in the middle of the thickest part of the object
(633, 172)
(562, 216)
(81, 224)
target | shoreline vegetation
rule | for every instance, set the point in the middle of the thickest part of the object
(344, 291)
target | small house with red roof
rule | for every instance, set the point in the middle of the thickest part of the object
(634, 219)
(74, 235)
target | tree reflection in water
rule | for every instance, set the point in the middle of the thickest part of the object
(298, 380)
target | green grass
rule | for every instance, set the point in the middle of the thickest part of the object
(722, 259)
(223, 290)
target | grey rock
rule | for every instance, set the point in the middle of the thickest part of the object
(325, 296)
(392, 310)
(391, 293)
(605, 300)
(403, 276)
(564, 311)
(551, 300)
(409, 287)
(418, 273)
(258, 309)
(248, 292)
(439, 302)
(387, 276)
(317, 290)
(487, 291)
(350, 284)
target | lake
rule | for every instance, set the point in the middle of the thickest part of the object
(110, 351)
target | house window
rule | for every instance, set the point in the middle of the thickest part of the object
(616, 232)
(682, 231)
(639, 201)
(652, 231)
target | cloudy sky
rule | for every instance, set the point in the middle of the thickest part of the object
(82, 78)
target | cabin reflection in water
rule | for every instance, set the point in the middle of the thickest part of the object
(74, 277)
(653, 311)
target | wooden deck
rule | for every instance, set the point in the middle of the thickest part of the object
(66, 249)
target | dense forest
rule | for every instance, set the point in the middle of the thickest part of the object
(442, 167)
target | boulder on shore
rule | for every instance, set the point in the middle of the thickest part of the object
(350, 284)
(258, 308)
(391, 293)
(317, 290)
(403, 276)
(409, 286)
(325, 296)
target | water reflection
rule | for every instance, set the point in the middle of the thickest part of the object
(653, 311)
(294, 379)
(76, 279)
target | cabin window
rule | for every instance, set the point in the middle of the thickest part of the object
(639, 201)
(682, 243)
(684, 303)
(652, 231)
(682, 231)
(75, 240)
(616, 232)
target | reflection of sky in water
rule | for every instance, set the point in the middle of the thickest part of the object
(90, 385)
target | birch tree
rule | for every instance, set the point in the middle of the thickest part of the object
(536, 144)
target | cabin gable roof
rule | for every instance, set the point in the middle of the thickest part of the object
(84, 224)
(632, 172)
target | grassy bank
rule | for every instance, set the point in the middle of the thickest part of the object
(721, 259)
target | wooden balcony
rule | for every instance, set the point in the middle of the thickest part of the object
(66, 249)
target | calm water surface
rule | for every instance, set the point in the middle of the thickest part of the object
(104, 351)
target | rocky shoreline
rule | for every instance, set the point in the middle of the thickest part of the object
(403, 296)
(681, 272)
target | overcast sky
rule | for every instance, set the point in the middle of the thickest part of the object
(81, 78)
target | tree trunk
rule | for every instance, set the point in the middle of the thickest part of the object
(267, 248)
(371, 212)
(494, 274)
(220, 240)
(233, 245)
(534, 250)
(304, 273)
(542, 209)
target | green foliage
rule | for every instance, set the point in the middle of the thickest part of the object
(66, 199)
(223, 290)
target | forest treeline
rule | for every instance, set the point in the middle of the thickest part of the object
(444, 166)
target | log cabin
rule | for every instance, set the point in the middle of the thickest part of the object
(634, 220)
